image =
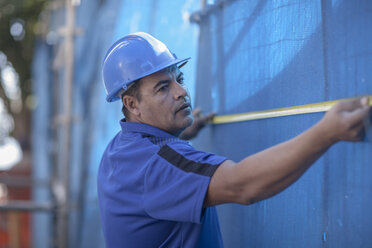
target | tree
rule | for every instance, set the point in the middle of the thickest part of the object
(19, 25)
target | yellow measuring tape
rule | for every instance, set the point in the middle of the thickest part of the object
(271, 113)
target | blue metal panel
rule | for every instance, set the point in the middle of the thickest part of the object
(98, 21)
(256, 55)
(348, 40)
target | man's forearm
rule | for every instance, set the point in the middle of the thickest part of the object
(267, 173)
(274, 169)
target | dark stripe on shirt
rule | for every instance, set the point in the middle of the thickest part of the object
(185, 164)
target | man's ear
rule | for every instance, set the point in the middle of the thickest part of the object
(131, 104)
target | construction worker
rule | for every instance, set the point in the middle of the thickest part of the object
(155, 189)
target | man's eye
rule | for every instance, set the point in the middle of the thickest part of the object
(180, 80)
(164, 87)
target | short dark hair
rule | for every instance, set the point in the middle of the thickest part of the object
(133, 90)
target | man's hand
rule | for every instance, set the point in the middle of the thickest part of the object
(200, 121)
(347, 121)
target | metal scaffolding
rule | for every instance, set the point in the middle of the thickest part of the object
(59, 182)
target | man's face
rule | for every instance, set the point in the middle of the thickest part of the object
(165, 102)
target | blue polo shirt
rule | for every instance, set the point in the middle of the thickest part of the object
(151, 189)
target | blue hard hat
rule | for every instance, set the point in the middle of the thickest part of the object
(132, 57)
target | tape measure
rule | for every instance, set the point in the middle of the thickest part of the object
(271, 113)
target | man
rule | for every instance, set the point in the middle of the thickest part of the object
(155, 190)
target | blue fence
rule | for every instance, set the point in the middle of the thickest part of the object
(257, 55)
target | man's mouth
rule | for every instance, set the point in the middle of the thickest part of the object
(184, 106)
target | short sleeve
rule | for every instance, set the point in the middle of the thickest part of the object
(176, 182)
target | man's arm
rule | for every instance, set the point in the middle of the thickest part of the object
(267, 173)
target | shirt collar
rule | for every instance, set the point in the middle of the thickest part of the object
(143, 128)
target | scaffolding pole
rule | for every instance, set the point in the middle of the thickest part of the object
(27, 206)
(63, 191)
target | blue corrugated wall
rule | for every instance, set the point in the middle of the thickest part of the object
(257, 55)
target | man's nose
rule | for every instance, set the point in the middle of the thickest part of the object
(180, 91)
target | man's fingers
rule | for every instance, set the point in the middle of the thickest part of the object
(196, 112)
(365, 101)
(209, 117)
(199, 117)
(349, 119)
(359, 132)
(349, 105)
(205, 119)
(359, 115)
(353, 104)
